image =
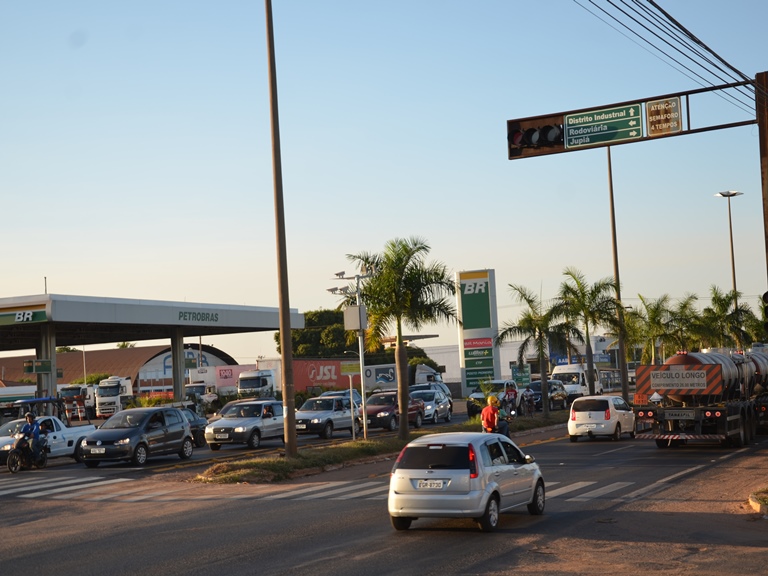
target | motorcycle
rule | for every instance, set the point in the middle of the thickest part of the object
(21, 457)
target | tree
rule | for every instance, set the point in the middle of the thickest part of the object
(537, 327)
(126, 345)
(682, 322)
(654, 317)
(592, 305)
(403, 289)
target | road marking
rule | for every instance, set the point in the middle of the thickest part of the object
(600, 491)
(22, 486)
(73, 488)
(312, 488)
(567, 489)
(348, 487)
(379, 488)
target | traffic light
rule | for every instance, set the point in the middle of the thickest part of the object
(765, 312)
(535, 136)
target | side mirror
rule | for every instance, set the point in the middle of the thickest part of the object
(529, 459)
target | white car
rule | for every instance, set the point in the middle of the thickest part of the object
(436, 405)
(463, 475)
(600, 416)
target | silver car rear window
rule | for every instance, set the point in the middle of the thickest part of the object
(435, 456)
(595, 405)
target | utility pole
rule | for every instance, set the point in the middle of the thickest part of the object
(761, 109)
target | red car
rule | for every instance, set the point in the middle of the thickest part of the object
(383, 412)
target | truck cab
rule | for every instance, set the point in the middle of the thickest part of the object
(256, 383)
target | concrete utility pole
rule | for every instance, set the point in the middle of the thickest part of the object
(761, 109)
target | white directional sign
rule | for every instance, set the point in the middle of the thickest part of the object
(603, 126)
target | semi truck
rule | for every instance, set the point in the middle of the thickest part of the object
(112, 395)
(79, 401)
(259, 383)
(713, 395)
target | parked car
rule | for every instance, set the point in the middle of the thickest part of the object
(600, 416)
(247, 422)
(324, 414)
(477, 400)
(356, 397)
(383, 411)
(557, 396)
(197, 425)
(442, 386)
(136, 434)
(463, 475)
(436, 405)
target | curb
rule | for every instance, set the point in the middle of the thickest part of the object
(758, 506)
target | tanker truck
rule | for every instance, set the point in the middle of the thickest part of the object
(713, 396)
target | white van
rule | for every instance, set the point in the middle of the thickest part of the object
(574, 379)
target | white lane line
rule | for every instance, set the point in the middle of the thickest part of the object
(600, 491)
(71, 488)
(570, 488)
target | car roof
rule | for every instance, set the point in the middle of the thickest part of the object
(452, 438)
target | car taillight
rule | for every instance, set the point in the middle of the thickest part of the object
(472, 462)
(608, 414)
(399, 457)
(573, 414)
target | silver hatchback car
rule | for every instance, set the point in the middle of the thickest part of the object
(463, 475)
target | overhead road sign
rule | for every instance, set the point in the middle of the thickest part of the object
(663, 117)
(603, 126)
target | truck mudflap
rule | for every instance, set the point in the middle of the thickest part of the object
(681, 436)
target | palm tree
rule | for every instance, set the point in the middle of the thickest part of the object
(536, 328)
(682, 322)
(655, 317)
(404, 289)
(592, 305)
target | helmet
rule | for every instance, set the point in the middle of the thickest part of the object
(493, 401)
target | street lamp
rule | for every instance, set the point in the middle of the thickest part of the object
(362, 322)
(730, 194)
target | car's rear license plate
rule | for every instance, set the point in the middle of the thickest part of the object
(222, 436)
(430, 484)
(589, 426)
(98, 450)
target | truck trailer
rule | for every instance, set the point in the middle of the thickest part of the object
(715, 396)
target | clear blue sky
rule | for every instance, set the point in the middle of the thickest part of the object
(135, 151)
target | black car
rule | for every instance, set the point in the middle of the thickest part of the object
(557, 396)
(137, 434)
(197, 426)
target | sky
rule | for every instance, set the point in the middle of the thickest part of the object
(136, 153)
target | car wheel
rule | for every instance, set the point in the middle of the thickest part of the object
(214, 447)
(254, 440)
(448, 416)
(139, 455)
(551, 405)
(434, 417)
(186, 449)
(400, 523)
(489, 521)
(418, 422)
(199, 439)
(356, 428)
(565, 405)
(536, 507)
(574, 438)
(78, 453)
(617, 432)
(327, 431)
(392, 424)
(91, 463)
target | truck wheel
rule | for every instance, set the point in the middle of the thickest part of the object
(139, 455)
(327, 431)
(254, 440)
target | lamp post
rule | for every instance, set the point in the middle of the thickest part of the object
(362, 322)
(730, 194)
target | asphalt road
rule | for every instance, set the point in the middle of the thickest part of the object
(612, 507)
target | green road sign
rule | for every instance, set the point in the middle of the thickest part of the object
(603, 126)
(521, 375)
(479, 363)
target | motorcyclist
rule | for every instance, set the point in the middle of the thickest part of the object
(32, 431)
(490, 418)
(528, 399)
